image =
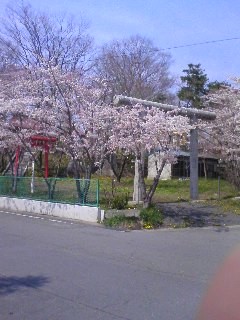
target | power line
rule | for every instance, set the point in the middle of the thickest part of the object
(201, 43)
(188, 45)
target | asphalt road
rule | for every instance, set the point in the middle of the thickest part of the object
(58, 269)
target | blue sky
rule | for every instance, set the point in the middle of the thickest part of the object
(168, 23)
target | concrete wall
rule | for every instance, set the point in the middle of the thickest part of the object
(166, 173)
(84, 213)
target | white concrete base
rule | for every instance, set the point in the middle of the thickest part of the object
(84, 213)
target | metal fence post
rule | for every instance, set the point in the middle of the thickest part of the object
(218, 187)
(97, 195)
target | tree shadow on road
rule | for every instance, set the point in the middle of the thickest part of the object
(12, 284)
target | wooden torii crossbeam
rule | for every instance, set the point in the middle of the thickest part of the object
(191, 113)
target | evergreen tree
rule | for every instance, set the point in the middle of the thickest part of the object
(194, 86)
(216, 85)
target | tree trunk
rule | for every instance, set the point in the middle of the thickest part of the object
(148, 198)
(51, 184)
(117, 169)
(82, 185)
(205, 168)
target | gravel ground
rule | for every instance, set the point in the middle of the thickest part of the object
(196, 214)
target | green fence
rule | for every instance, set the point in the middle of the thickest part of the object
(72, 191)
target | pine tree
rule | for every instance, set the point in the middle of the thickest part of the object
(194, 86)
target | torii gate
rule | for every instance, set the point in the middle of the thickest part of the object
(191, 113)
(38, 141)
(45, 143)
(42, 141)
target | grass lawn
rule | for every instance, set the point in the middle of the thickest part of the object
(168, 190)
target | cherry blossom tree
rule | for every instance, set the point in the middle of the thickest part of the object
(50, 102)
(223, 134)
(138, 129)
(137, 68)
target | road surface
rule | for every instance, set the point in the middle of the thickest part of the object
(59, 269)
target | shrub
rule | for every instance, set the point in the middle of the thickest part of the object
(151, 217)
(114, 221)
(119, 202)
(120, 221)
